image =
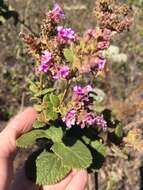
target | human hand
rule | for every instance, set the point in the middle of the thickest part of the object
(19, 125)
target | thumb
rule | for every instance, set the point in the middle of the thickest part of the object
(19, 125)
(16, 127)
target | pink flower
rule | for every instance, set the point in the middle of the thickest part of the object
(87, 89)
(46, 57)
(78, 90)
(107, 34)
(100, 64)
(66, 35)
(57, 14)
(100, 121)
(103, 45)
(93, 33)
(43, 67)
(63, 72)
(45, 62)
(85, 119)
(70, 118)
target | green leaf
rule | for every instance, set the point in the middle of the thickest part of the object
(68, 53)
(30, 138)
(86, 139)
(119, 130)
(33, 88)
(43, 92)
(37, 124)
(50, 114)
(98, 95)
(100, 148)
(54, 100)
(76, 156)
(46, 98)
(54, 133)
(50, 169)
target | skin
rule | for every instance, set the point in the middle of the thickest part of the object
(19, 125)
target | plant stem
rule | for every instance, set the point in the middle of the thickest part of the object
(96, 180)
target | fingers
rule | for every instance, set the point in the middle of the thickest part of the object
(74, 181)
(16, 127)
(78, 182)
(61, 185)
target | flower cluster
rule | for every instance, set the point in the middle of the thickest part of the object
(47, 64)
(61, 54)
(67, 102)
(66, 35)
(116, 17)
(81, 114)
(62, 72)
(102, 37)
(57, 14)
(63, 36)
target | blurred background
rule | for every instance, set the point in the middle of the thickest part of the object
(122, 85)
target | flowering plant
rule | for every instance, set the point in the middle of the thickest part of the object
(70, 131)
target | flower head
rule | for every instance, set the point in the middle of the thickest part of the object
(46, 63)
(93, 33)
(57, 14)
(78, 90)
(107, 34)
(46, 57)
(70, 118)
(100, 64)
(103, 45)
(85, 119)
(43, 67)
(63, 72)
(100, 121)
(66, 35)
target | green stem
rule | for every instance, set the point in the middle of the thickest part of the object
(65, 91)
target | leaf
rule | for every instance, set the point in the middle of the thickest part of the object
(99, 147)
(98, 95)
(54, 133)
(119, 130)
(37, 124)
(30, 138)
(86, 139)
(46, 98)
(50, 114)
(54, 100)
(68, 53)
(33, 88)
(76, 156)
(43, 92)
(50, 169)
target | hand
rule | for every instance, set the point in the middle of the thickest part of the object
(19, 125)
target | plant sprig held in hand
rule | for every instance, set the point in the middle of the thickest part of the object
(70, 131)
